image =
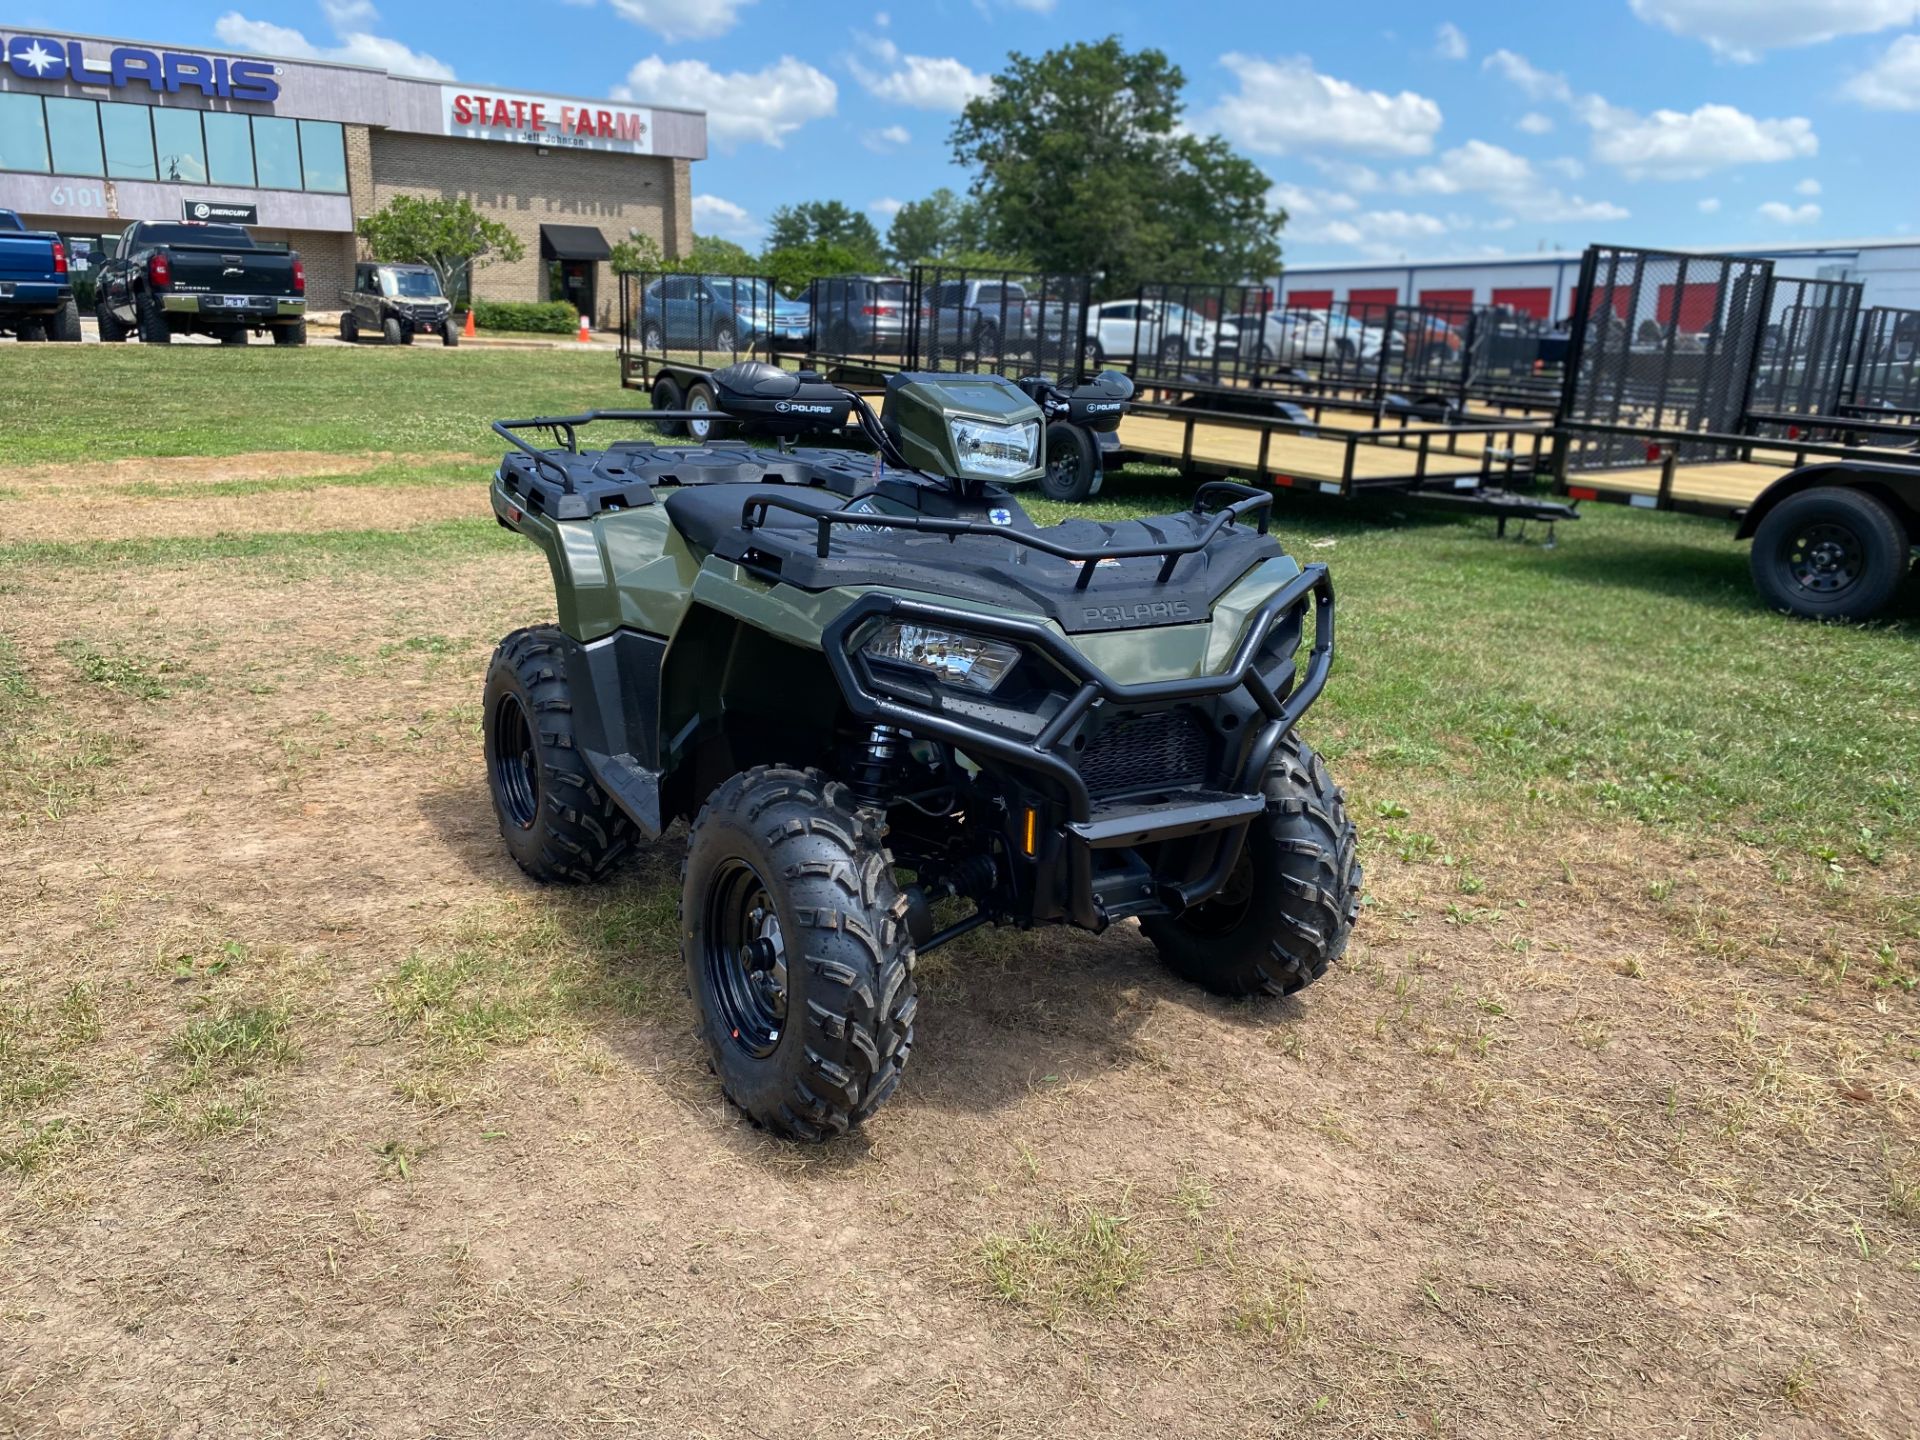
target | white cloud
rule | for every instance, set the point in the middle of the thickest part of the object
(1784, 214)
(1302, 203)
(675, 20)
(1740, 29)
(1534, 83)
(1349, 174)
(1568, 166)
(926, 82)
(764, 105)
(1449, 43)
(344, 14)
(1286, 105)
(890, 138)
(1670, 145)
(1038, 7)
(715, 216)
(356, 47)
(1534, 123)
(1710, 205)
(1509, 181)
(886, 205)
(1893, 81)
(882, 19)
(1808, 186)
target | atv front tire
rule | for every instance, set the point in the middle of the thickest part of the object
(1289, 904)
(558, 823)
(797, 952)
(1073, 463)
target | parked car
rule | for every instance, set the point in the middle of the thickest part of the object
(1151, 330)
(397, 302)
(987, 319)
(36, 292)
(181, 277)
(699, 312)
(787, 322)
(1287, 336)
(859, 314)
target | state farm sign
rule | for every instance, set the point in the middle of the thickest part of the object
(542, 120)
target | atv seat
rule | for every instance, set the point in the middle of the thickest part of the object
(704, 513)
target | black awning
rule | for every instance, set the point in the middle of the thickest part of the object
(573, 242)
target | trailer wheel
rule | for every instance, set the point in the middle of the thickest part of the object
(667, 396)
(1830, 553)
(700, 397)
(1289, 904)
(1072, 464)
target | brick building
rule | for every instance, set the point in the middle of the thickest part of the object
(97, 133)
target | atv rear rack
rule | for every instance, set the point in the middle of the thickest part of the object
(1252, 502)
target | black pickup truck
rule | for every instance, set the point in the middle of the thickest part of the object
(36, 292)
(172, 277)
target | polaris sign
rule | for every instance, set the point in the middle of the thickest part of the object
(165, 72)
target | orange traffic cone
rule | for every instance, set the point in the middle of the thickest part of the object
(467, 334)
(584, 338)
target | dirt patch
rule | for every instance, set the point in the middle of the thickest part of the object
(1596, 1132)
(73, 516)
(110, 475)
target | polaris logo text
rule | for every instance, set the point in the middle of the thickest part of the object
(1102, 407)
(166, 72)
(790, 407)
(1133, 614)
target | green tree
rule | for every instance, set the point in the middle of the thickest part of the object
(1081, 162)
(829, 222)
(791, 267)
(636, 253)
(713, 256)
(449, 235)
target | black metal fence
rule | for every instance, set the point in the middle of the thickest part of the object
(1662, 344)
(704, 320)
(1886, 363)
(859, 322)
(1806, 347)
(1003, 322)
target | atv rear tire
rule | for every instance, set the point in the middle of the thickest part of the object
(797, 952)
(1072, 463)
(1289, 905)
(1830, 553)
(150, 321)
(558, 823)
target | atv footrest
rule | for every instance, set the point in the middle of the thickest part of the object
(1120, 823)
(634, 788)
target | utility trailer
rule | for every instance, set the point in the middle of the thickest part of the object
(1709, 385)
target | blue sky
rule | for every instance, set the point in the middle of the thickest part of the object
(1388, 129)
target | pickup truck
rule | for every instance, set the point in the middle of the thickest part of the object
(172, 277)
(36, 293)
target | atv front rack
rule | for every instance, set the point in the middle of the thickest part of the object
(1252, 502)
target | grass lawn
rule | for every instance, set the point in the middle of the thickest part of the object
(317, 1117)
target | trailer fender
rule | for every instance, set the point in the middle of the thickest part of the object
(1896, 485)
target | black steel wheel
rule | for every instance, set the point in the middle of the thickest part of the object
(1830, 553)
(795, 942)
(667, 396)
(1073, 463)
(1288, 905)
(558, 824)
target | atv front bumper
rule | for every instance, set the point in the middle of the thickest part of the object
(1262, 682)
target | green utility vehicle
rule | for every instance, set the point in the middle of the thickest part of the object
(894, 708)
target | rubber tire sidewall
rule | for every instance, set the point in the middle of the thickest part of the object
(294, 334)
(1066, 434)
(112, 332)
(449, 337)
(700, 388)
(64, 327)
(30, 332)
(850, 994)
(349, 328)
(390, 330)
(1878, 530)
(667, 396)
(150, 321)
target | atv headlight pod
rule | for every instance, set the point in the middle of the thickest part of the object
(1000, 450)
(952, 656)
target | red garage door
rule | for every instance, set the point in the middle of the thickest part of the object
(1698, 305)
(1453, 304)
(1309, 299)
(1621, 297)
(1527, 301)
(1371, 304)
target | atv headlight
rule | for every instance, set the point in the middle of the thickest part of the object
(950, 655)
(988, 449)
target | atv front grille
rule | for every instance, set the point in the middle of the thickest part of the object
(1163, 750)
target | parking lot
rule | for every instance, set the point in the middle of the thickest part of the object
(316, 1116)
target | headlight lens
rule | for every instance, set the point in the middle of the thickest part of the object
(951, 656)
(1003, 450)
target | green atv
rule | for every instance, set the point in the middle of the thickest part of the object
(883, 696)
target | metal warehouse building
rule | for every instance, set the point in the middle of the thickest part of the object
(1543, 285)
(97, 133)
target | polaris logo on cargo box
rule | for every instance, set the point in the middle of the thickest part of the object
(166, 72)
(792, 407)
(1102, 407)
(1136, 614)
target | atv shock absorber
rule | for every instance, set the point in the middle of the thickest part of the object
(875, 772)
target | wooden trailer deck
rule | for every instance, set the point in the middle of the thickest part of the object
(1722, 485)
(1386, 456)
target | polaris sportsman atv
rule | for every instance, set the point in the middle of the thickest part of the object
(882, 695)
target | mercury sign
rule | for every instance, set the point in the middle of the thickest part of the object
(542, 120)
(167, 72)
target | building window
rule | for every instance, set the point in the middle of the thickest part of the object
(73, 134)
(23, 133)
(323, 156)
(229, 149)
(182, 151)
(276, 150)
(129, 135)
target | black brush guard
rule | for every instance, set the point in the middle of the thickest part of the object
(1280, 696)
